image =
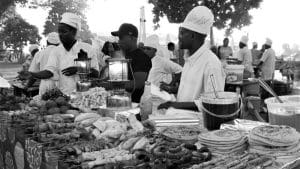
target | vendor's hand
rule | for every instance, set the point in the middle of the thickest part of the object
(70, 71)
(165, 87)
(165, 105)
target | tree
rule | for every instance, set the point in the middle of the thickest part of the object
(6, 4)
(58, 7)
(228, 14)
(16, 33)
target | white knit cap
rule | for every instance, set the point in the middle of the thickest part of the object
(53, 38)
(268, 42)
(33, 47)
(199, 19)
(244, 40)
(71, 20)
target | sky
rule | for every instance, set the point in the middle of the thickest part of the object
(275, 19)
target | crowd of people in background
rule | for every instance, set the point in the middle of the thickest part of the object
(171, 67)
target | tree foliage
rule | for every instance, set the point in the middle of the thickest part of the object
(6, 4)
(228, 14)
(16, 32)
(58, 7)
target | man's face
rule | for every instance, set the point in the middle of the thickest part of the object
(66, 33)
(126, 42)
(184, 38)
(149, 51)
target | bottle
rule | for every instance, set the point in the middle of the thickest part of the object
(146, 102)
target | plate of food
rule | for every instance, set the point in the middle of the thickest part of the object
(187, 134)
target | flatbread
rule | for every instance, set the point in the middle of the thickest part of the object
(255, 140)
(226, 136)
(272, 134)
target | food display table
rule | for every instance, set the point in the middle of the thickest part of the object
(51, 133)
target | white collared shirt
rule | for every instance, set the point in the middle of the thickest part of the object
(61, 59)
(244, 55)
(268, 66)
(162, 70)
(39, 63)
(195, 78)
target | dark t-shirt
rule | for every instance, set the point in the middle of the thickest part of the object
(140, 62)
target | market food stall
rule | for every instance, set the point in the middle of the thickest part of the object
(95, 128)
(58, 131)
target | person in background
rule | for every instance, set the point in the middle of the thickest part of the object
(171, 49)
(162, 68)
(140, 62)
(39, 63)
(256, 55)
(61, 60)
(33, 49)
(224, 51)
(201, 64)
(245, 58)
(109, 50)
(267, 65)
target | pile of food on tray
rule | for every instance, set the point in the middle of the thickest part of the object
(224, 142)
(275, 141)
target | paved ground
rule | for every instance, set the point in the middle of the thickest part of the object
(9, 70)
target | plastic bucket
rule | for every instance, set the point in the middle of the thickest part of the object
(287, 113)
(219, 110)
(234, 73)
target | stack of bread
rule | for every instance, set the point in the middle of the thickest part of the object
(274, 140)
(222, 142)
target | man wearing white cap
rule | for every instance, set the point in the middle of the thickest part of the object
(39, 63)
(267, 62)
(162, 68)
(202, 67)
(245, 57)
(61, 60)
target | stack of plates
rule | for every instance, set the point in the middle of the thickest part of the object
(274, 140)
(222, 142)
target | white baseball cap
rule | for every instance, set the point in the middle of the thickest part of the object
(200, 19)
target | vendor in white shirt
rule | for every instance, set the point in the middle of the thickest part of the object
(245, 57)
(162, 68)
(61, 60)
(39, 63)
(201, 64)
(267, 62)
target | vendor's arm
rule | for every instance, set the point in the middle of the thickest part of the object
(171, 67)
(179, 105)
(263, 58)
(45, 74)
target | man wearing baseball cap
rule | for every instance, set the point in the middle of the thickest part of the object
(202, 71)
(140, 63)
(39, 63)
